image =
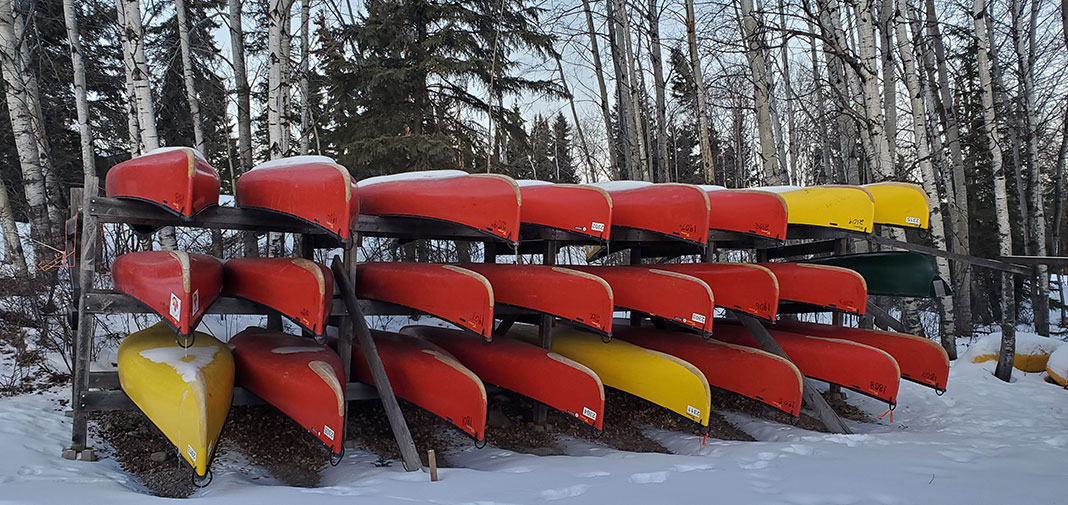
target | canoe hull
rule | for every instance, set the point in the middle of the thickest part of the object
(672, 296)
(526, 369)
(302, 379)
(455, 294)
(178, 180)
(675, 211)
(752, 289)
(900, 204)
(848, 208)
(429, 377)
(178, 286)
(756, 213)
(893, 273)
(583, 210)
(300, 289)
(317, 191)
(186, 393)
(749, 372)
(821, 286)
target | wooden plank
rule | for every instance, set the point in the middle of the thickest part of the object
(545, 325)
(114, 302)
(83, 339)
(374, 362)
(884, 319)
(982, 262)
(1053, 261)
(807, 232)
(805, 249)
(810, 395)
(116, 399)
(113, 210)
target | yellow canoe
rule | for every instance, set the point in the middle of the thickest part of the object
(849, 208)
(186, 393)
(657, 377)
(900, 204)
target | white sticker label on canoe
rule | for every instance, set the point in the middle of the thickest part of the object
(586, 411)
(912, 220)
(196, 301)
(328, 432)
(692, 411)
(176, 307)
(192, 454)
(595, 226)
(698, 317)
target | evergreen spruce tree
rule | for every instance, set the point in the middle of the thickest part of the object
(564, 169)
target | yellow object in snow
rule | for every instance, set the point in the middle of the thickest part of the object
(186, 393)
(849, 208)
(1030, 363)
(900, 204)
(657, 377)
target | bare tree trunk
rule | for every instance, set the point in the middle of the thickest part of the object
(130, 15)
(305, 85)
(619, 64)
(702, 100)
(70, 16)
(886, 40)
(287, 76)
(791, 124)
(881, 164)
(13, 253)
(578, 127)
(831, 27)
(821, 113)
(755, 54)
(635, 99)
(658, 84)
(187, 73)
(277, 15)
(598, 69)
(132, 120)
(244, 115)
(1001, 203)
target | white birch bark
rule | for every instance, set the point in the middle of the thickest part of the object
(881, 164)
(276, 16)
(305, 85)
(598, 69)
(623, 104)
(13, 253)
(244, 116)
(187, 74)
(702, 100)
(635, 100)
(81, 101)
(655, 60)
(130, 17)
(755, 55)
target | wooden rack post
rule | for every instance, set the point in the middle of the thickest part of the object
(86, 268)
(545, 324)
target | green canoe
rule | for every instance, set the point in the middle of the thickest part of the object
(893, 273)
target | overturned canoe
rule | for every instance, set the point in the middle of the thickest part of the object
(304, 380)
(177, 285)
(562, 292)
(654, 376)
(186, 392)
(749, 372)
(455, 294)
(668, 211)
(314, 189)
(487, 203)
(756, 213)
(300, 289)
(527, 369)
(859, 367)
(740, 286)
(921, 359)
(900, 204)
(849, 208)
(177, 179)
(821, 286)
(675, 297)
(429, 377)
(581, 210)
(893, 273)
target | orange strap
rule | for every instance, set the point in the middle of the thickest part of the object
(888, 411)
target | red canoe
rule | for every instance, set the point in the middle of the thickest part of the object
(455, 294)
(488, 203)
(742, 286)
(314, 189)
(562, 292)
(583, 210)
(177, 285)
(677, 211)
(300, 289)
(757, 213)
(429, 377)
(529, 370)
(821, 285)
(862, 368)
(676, 297)
(749, 372)
(304, 380)
(921, 360)
(178, 179)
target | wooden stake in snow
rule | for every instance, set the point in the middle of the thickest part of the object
(432, 461)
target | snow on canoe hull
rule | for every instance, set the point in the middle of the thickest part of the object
(186, 393)
(821, 285)
(297, 376)
(569, 294)
(300, 289)
(455, 294)
(756, 213)
(849, 208)
(741, 286)
(429, 377)
(488, 203)
(749, 372)
(900, 204)
(859, 367)
(654, 376)
(677, 211)
(526, 369)
(921, 360)
(314, 189)
(177, 285)
(676, 297)
(583, 210)
(178, 179)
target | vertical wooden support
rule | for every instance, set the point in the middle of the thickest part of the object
(545, 325)
(83, 338)
(378, 372)
(635, 259)
(432, 461)
(344, 335)
(489, 254)
(810, 395)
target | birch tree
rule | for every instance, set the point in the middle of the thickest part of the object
(598, 70)
(702, 99)
(278, 17)
(134, 45)
(70, 17)
(655, 60)
(187, 74)
(755, 54)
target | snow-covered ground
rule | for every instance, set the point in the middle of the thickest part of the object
(984, 442)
